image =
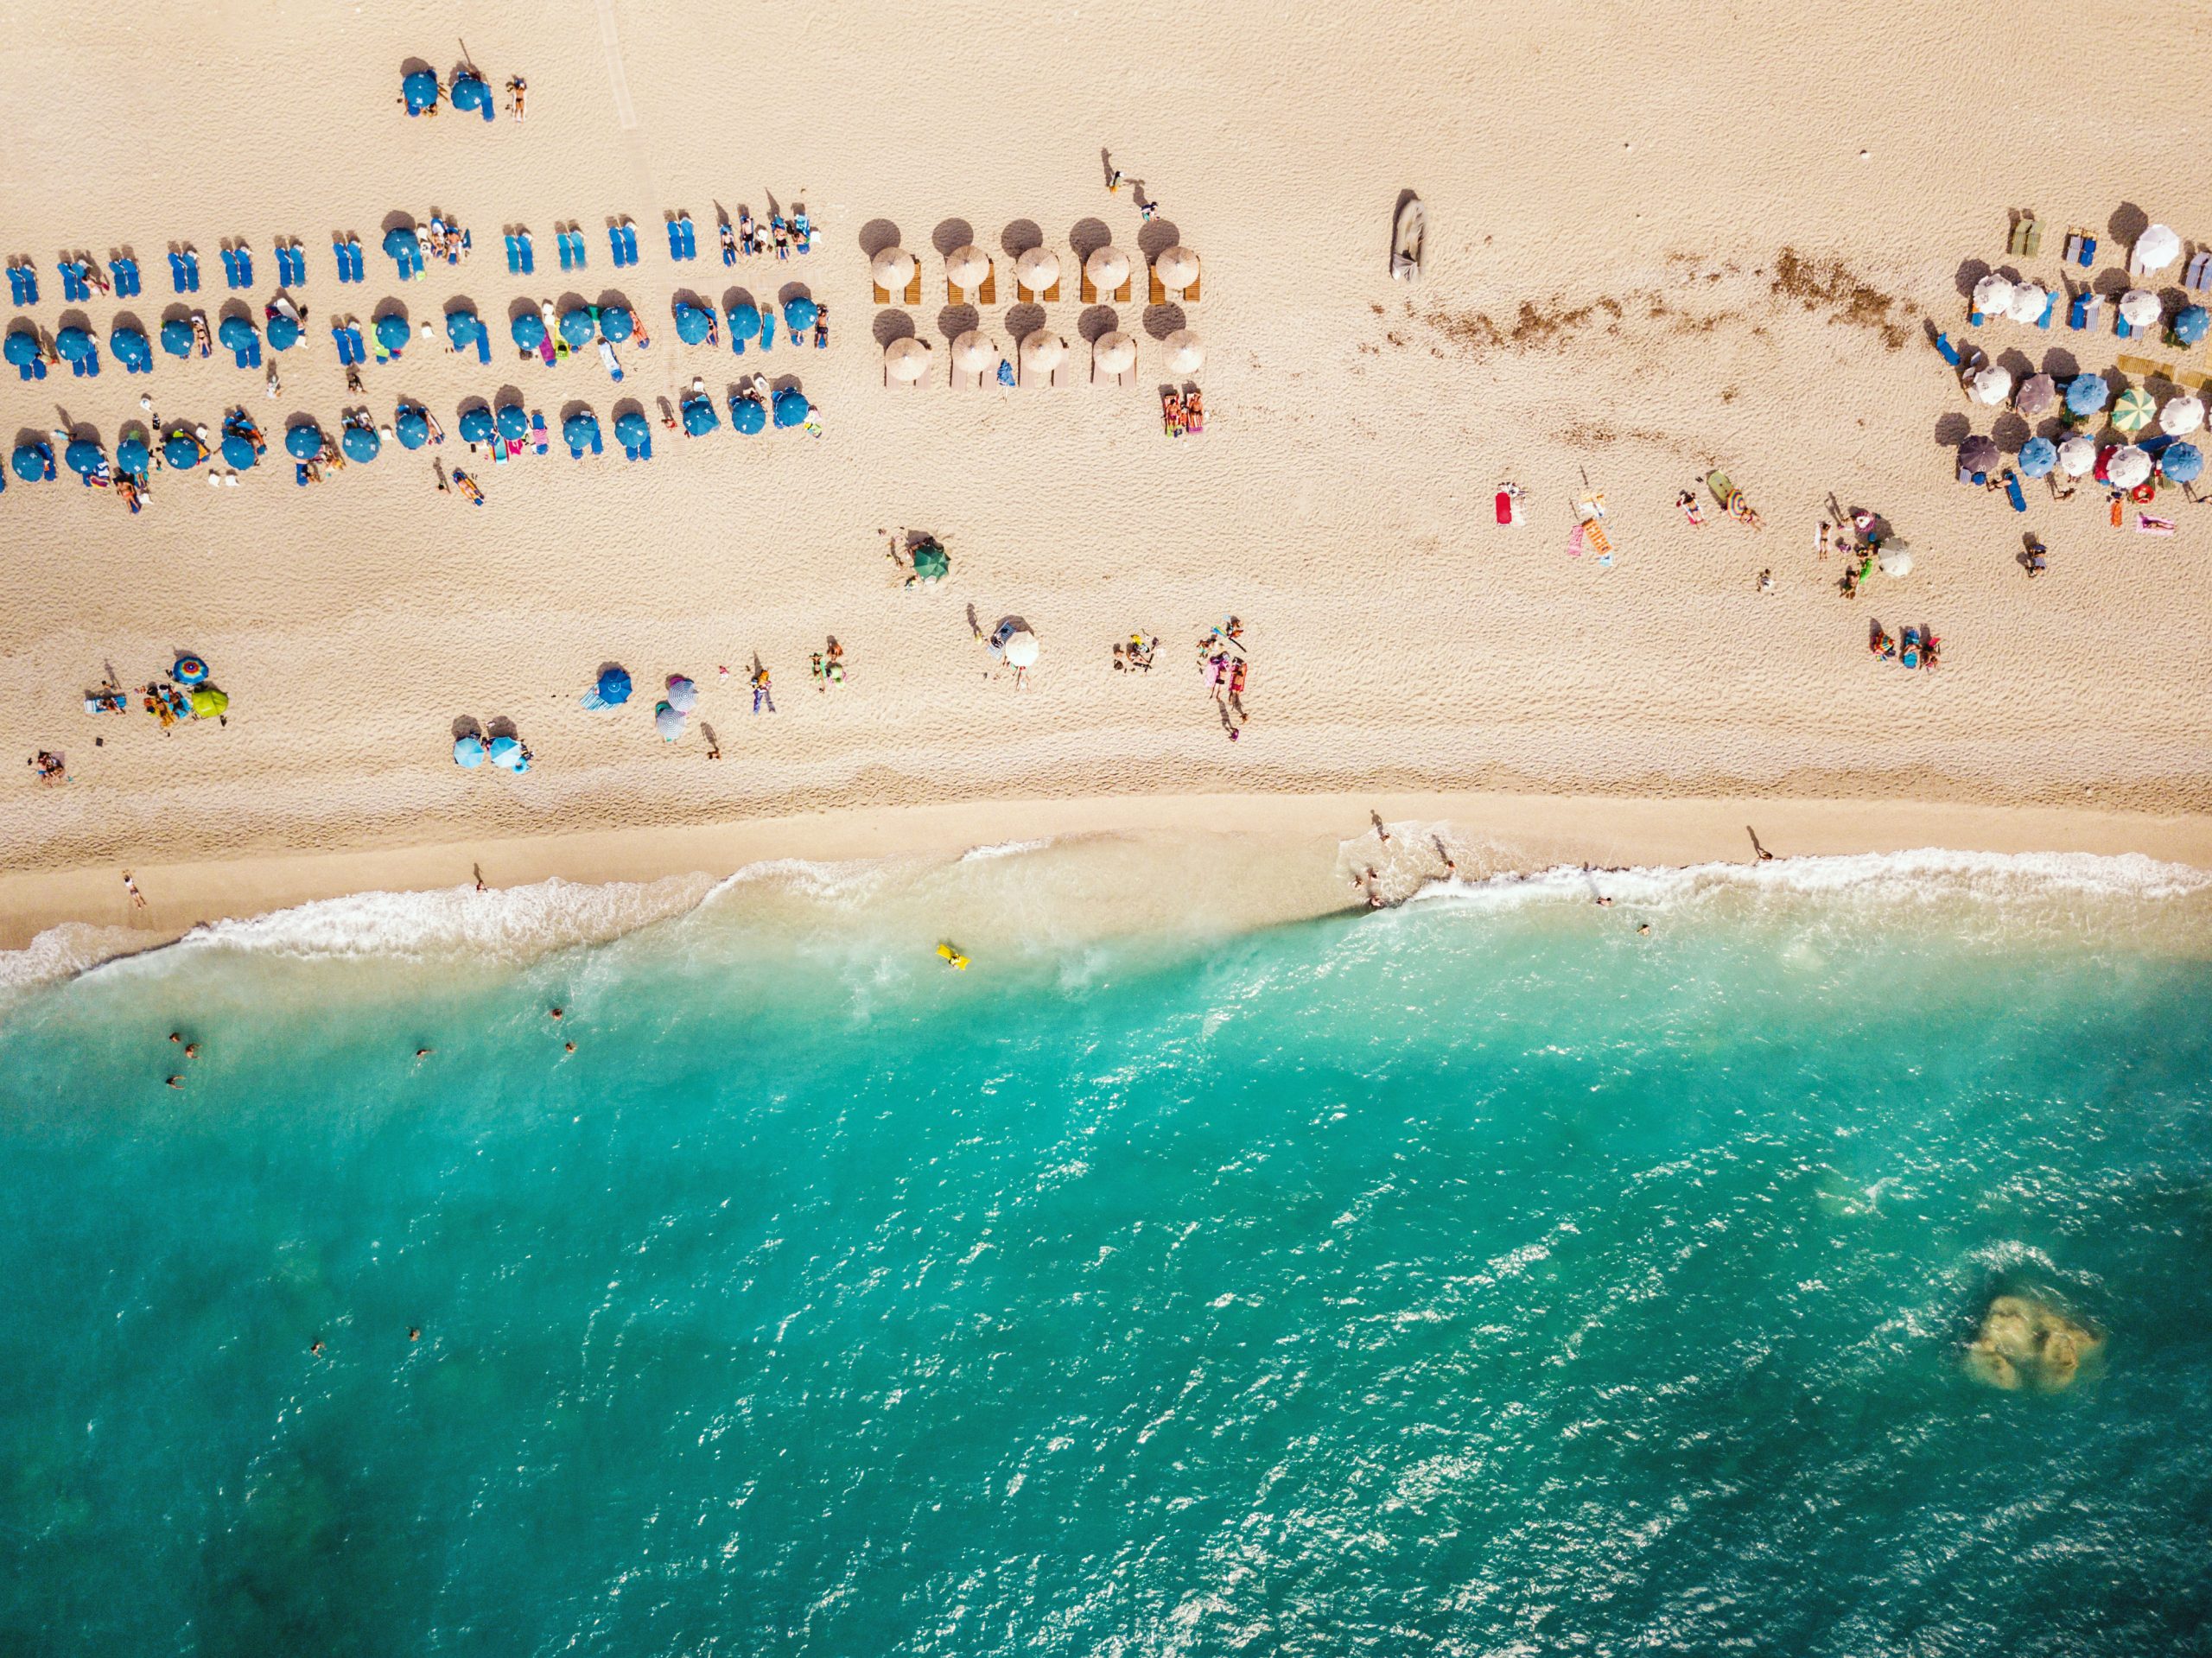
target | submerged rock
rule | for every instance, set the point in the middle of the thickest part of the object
(2026, 1343)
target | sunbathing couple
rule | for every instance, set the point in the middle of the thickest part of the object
(1136, 655)
(1184, 413)
(449, 242)
(51, 768)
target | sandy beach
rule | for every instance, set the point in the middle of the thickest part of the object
(1662, 239)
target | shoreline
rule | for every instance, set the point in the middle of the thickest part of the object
(1493, 833)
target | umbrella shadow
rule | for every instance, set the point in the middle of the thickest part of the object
(2010, 430)
(130, 320)
(467, 725)
(500, 726)
(507, 394)
(1972, 271)
(877, 235)
(1161, 320)
(401, 221)
(892, 325)
(609, 297)
(784, 382)
(792, 290)
(950, 236)
(955, 319)
(739, 299)
(1157, 237)
(2127, 223)
(2111, 284)
(1022, 321)
(385, 307)
(1019, 237)
(574, 407)
(2060, 364)
(1097, 322)
(1952, 429)
(1087, 236)
(2015, 363)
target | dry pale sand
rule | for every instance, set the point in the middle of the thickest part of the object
(1663, 238)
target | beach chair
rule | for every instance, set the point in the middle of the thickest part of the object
(22, 284)
(87, 367)
(350, 348)
(184, 271)
(123, 271)
(74, 288)
(2026, 240)
(242, 261)
(1091, 295)
(985, 292)
(2013, 490)
(1190, 295)
(2120, 326)
(1948, 352)
(1047, 296)
(683, 237)
(2080, 248)
(2143, 368)
(2086, 311)
(629, 243)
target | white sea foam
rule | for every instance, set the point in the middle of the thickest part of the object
(1001, 849)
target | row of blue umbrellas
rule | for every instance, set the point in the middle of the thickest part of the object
(505, 753)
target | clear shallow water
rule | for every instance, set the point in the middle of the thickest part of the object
(1477, 1277)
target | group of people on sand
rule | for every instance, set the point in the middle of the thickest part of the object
(785, 236)
(827, 666)
(1223, 664)
(1135, 657)
(1183, 413)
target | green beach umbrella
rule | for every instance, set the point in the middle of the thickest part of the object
(2134, 411)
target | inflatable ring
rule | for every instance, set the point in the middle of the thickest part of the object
(2145, 492)
(188, 671)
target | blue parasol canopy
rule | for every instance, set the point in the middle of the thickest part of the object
(188, 671)
(30, 464)
(614, 686)
(744, 322)
(74, 343)
(360, 442)
(392, 332)
(411, 426)
(131, 456)
(238, 452)
(234, 333)
(131, 347)
(176, 337)
(180, 452)
(579, 429)
(2086, 394)
(529, 330)
(631, 429)
(468, 92)
(507, 753)
(420, 89)
(475, 424)
(691, 323)
(578, 327)
(402, 242)
(792, 406)
(468, 751)
(283, 333)
(304, 441)
(699, 415)
(22, 345)
(2181, 462)
(800, 315)
(82, 458)
(747, 414)
(512, 420)
(2189, 324)
(616, 324)
(462, 327)
(2038, 456)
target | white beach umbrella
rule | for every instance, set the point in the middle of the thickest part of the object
(1992, 386)
(1044, 352)
(1115, 354)
(904, 359)
(1038, 268)
(967, 266)
(892, 268)
(2028, 301)
(2156, 249)
(1177, 269)
(667, 720)
(2128, 468)
(1993, 296)
(2181, 414)
(1021, 649)
(1109, 268)
(1895, 559)
(1186, 355)
(972, 353)
(2077, 457)
(2140, 308)
(683, 695)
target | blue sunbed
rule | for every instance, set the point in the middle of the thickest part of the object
(123, 271)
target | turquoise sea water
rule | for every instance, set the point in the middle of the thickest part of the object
(1476, 1277)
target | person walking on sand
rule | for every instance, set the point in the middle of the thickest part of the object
(1380, 834)
(763, 692)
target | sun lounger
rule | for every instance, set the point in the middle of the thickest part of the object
(2144, 368)
(2086, 311)
(23, 282)
(2080, 248)
(74, 288)
(2013, 490)
(2026, 240)
(622, 239)
(123, 270)
(2198, 276)
(350, 348)
(683, 237)
(184, 271)
(985, 292)
(1948, 352)
(88, 365)
(237, 265)
(608, 360)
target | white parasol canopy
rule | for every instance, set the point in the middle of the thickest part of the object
(905, 359)
(1044, 351)
(1038, 269)
(1993, 296)
(967, 266)
(1021, 649)
(1177, 269)
(1108, 267)
(892, 268)
(2140, 308)
(2180, 416)
(2156, 249)
(1186, 355)
(2029, 300)
(1115, 354)
(1992, 386)
(2077, 457)
(2128, 468)
(972, 353)
(1895, 560)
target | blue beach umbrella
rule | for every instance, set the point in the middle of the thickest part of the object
(747, 414)
(579, 429)
(401, 242)
(529, 330)
(2038, 456)
(475, 424)
(632, 430)
(578, 327)
(420, 89)
(180, 452)
(468, 752)
(304, 441)
(176, 337)
(744, 322)
(792, 406)
(616, 324)
(799, 315)
(2086, 394)
(614, 686)
(21, 348)
(74, 343)
(462, 327)
(82, 458)
(238, 452)
(188, 671)
(468, 92)
(411, 426)
(392, 332)
(284, 333)
(131, 348)
(30, 464)
(131, 456)
(360, 442)
(2182, 463)
(234, 333)
(2189, 324)
(691, 323)
(512, 420)
(506, 754)
(699, 415)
